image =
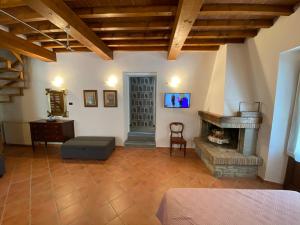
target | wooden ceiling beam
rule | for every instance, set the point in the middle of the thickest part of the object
(79, 49)
(23, 13)
(75, 44)
(152, 43)
(11, 42)
(125, 12)
(28, 15)
(104, 36)
(150, 36)
(135, 36)
(11, 3)
(48, 27)
(130, 26)
(42, 38)
(57, 12)
(208, 41)
(222, 34)
(157, 48)
(201, 48)
(141, 48)
(45, 27)
(246, 9)
(232, 24)
(186, 15)
(72, 44)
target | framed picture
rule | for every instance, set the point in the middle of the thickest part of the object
(90, 98)
(110, 98)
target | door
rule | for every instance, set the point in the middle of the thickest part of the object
(142, 103)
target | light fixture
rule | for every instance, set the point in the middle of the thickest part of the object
(112, 81)
(175, 81)
(57, 82)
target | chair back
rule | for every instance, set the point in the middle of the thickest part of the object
(176, 128)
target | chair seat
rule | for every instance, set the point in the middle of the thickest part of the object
(178, 140)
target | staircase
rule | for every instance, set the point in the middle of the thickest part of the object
(12, 82)
(141, 139)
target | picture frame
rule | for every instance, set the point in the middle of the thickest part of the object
(110, 98)
(90, 98)
(57, 103)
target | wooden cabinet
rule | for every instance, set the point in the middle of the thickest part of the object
(58, 131)
(292, 176)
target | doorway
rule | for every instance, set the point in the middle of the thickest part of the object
(142, 92)
(141, 110)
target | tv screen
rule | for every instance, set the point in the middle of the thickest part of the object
(177, 100)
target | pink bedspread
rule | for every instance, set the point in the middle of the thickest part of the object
(197, 206)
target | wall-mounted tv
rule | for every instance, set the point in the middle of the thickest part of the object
(177, 100)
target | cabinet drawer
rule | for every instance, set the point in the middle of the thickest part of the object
(54, 138)
(37, 126)
(53, 130)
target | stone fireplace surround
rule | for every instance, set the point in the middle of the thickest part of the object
(233, 160)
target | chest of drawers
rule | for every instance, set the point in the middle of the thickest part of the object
(58, 131)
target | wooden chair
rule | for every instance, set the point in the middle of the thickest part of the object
(176, 136)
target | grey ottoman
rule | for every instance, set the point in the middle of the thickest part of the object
(88, 147)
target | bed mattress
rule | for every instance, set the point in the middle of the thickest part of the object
(197, 206)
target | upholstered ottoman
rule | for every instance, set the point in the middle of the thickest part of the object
(88, 147)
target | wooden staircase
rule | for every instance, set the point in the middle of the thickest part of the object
(12, 81)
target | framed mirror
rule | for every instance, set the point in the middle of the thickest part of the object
(57, 103)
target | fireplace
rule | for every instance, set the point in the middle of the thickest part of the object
(227, 137)
(227, 144)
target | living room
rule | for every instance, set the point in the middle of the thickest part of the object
(237, 67)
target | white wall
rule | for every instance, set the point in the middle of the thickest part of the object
(87, 71)
(216, 92)
(230, 81)
(238, 84)
(264, 51)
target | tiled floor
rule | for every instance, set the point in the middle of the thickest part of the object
(40, 188)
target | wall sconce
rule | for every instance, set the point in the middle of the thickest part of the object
(112, 81)
(175, 81)
(57, 82)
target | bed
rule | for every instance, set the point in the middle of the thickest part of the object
(197, 206)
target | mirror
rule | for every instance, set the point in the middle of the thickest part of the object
(57, 103)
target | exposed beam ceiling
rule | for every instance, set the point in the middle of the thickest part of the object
(14, 43)
(186, 15)
(28, 15)
(57, 12)
(148, 25)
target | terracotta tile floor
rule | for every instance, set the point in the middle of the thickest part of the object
(40, 188)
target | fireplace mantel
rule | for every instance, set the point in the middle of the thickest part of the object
(231, 121)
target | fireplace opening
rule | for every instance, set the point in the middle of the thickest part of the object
(227, 137)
